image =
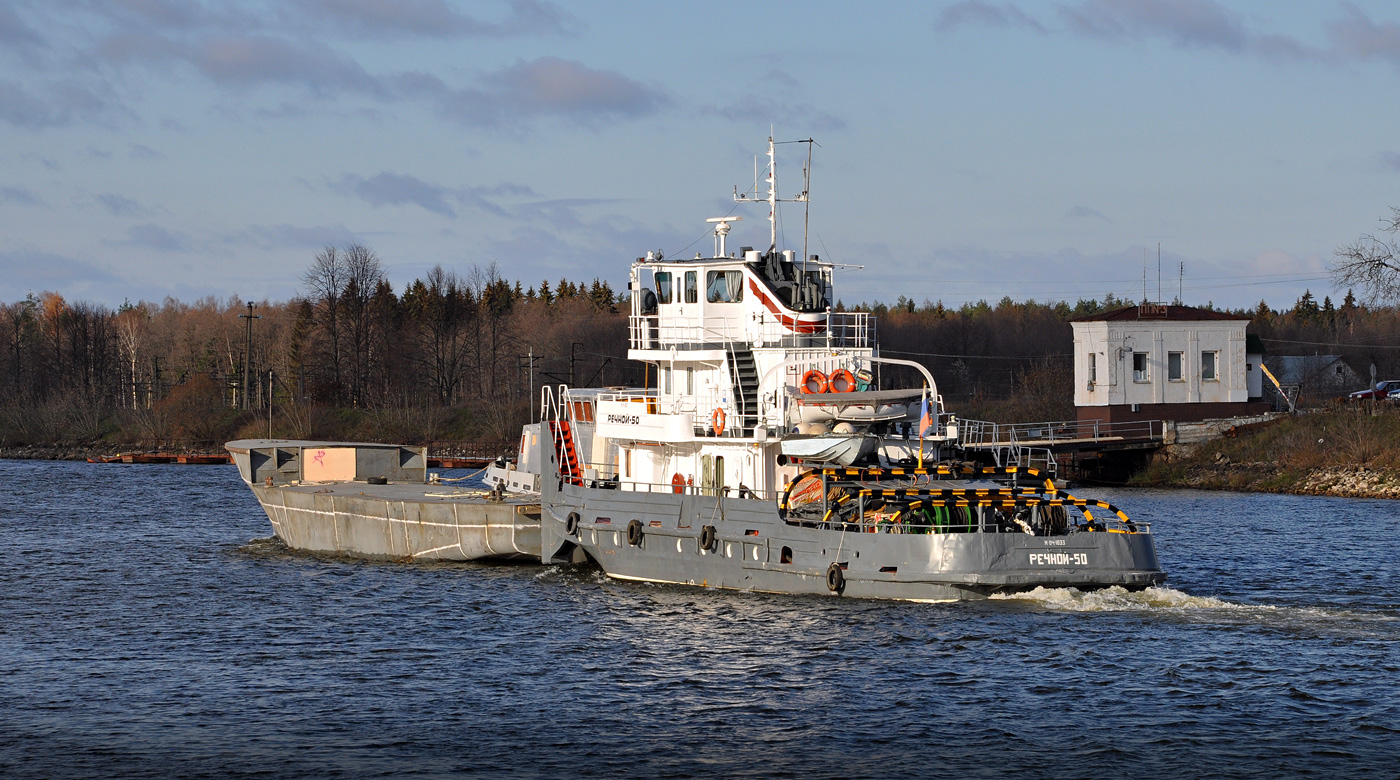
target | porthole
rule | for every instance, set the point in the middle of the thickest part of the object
(728, 550)
(755, 552)
(678, 545)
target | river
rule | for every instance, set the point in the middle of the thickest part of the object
(151, 627)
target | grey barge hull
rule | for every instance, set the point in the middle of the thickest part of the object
(754, 549)
(320, 497)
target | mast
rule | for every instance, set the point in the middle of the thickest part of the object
(773, 199)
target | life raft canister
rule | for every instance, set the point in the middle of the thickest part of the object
(677, 483)
(814, 381)
(717, 421)
(842, 381)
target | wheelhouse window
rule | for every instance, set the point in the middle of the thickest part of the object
(691, 290)
(666, 380)
(724, 286)
(1208, 373)
(1174, 367)
(1093, 367)
(663, 286)
(1140, 367)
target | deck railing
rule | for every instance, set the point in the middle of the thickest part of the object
(983, 433)
(836, 329)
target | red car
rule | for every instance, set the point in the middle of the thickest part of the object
(1381, 390)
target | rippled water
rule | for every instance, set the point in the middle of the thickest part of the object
(149, 627)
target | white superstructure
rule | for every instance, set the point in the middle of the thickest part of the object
(729, 341)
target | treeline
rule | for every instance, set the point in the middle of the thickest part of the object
(454, 355)
(451, 357)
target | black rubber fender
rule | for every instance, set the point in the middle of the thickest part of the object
(708, 538)
(571, 524)
(835, 579)
(634, 532)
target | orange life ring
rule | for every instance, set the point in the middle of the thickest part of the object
(842, 375)
(811, 378)
(717, 421)
(677, 483)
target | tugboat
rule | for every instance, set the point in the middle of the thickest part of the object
(775, 450)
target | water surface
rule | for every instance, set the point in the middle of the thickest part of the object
(150, 627)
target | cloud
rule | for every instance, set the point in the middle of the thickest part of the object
(1198, 24)
(1187, 23)
(773, 110)
(143, 152)
(1391, 160)
(119, 206)
(14, 31)
(986, 14)
(33, 271)
(1356, 37)
(394, 189)
(21, 195)
(285, 236)
(66, 102)
(548, 86)
(434, 19)
(1084, 212)
(152, 236)
(398, 189)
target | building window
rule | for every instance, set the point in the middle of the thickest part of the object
(1173, 366)
(691, 294)
(663, 286)
(1208, 366)
(1093, 368)
(1140, 367)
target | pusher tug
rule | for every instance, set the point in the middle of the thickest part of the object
(779, 452)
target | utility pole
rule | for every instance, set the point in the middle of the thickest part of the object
(248, 353)
(271, 386)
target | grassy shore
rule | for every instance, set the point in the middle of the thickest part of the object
(1338, 452)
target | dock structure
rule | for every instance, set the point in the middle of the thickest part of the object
(1049, 445)
(1093, 448)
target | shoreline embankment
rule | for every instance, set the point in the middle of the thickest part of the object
(1346, 452)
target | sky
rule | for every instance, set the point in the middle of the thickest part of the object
(965, 150)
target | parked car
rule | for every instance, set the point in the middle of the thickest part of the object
(1382, 390)
(1393, 397)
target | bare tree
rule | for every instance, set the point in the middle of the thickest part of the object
(1372, 263)
(131, 332)
(325, 281)
(363, 275)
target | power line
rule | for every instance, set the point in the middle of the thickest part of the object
(979, 357)
(1333, 344)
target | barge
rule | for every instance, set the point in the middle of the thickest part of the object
(378, 501)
